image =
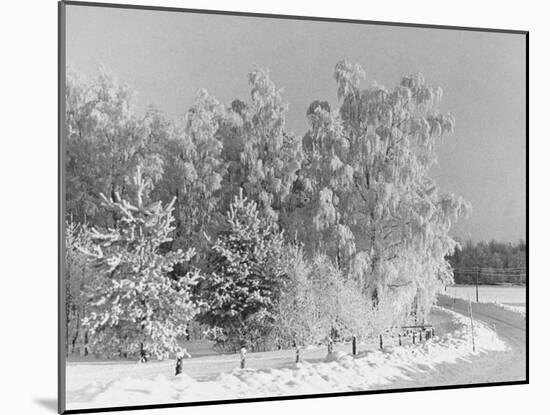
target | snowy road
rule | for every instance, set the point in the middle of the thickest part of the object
(504, 366)
(510, 326)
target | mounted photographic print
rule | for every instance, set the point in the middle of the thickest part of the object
(258, 207)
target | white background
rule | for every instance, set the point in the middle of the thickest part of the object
(28, 208)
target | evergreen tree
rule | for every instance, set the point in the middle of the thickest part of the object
(240, 290)
(138, 309)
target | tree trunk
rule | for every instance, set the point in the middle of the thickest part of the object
(76, 332)
(86, 343)
(142, 353)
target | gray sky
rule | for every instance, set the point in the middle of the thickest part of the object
(166, 57)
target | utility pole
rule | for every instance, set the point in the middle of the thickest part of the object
(472, 324)
(477, 283)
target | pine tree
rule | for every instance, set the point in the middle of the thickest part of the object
(241, 287)
(138, 308)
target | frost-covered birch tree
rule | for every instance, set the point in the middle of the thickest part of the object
(194, 169)
(367, 171)
(262, 156)
(105, 142)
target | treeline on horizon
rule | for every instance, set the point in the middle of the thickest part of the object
(490, 262)
(225, 219)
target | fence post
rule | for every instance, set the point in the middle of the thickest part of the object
(354, 345)
(179, 362)
(420, 336)
(243, 357)
(414, 337)
(399, 336)
(381, 344)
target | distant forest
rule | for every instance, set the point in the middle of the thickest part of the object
(496, 262)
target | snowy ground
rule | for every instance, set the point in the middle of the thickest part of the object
(339, 372)
(510, 297)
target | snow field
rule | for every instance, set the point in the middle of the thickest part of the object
(488, 293)
(512, 298)
(339, 373)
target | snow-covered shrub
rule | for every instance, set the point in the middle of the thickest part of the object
(296, 321)
(319, 301)
(340, 305)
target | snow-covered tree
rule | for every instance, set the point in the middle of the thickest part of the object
(263, 157)
(138, 308)
(373, 203)
(318, 301)
(105, 142)
(193, 170)
(339, 302)
(240, 289)
(296, 321)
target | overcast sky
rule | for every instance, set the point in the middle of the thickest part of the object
(166, 57)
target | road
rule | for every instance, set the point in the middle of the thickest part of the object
(487, 368)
